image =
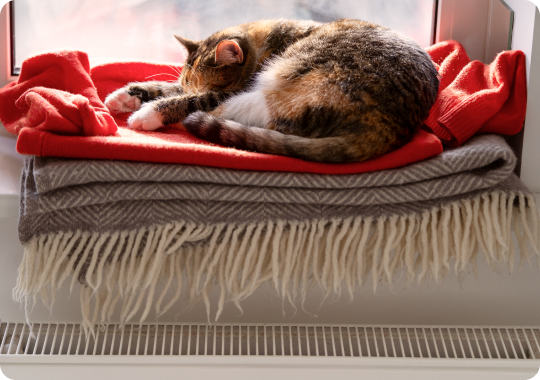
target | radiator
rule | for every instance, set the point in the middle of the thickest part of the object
(471, 342)
(468, 348)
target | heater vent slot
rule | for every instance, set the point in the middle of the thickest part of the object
(474, 342)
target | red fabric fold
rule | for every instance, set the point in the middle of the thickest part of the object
(172, 145)
(63, 113)
(55, 93)
(477, 98)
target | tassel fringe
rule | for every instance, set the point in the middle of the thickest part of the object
(122, 270)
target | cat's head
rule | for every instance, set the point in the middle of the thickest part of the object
(221, 63)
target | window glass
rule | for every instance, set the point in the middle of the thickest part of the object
(113, 30)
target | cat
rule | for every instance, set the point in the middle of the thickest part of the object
(337, 92)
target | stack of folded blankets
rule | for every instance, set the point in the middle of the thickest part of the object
(146, 220)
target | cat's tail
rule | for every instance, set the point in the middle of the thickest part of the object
(232, 134)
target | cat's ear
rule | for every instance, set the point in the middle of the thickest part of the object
(190, 45)
(229, 52)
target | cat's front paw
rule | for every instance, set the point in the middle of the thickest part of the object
(146, 119)
(121, 101)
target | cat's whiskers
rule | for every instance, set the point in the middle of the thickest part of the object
(175, 70)
(169, 64)
(150, 76)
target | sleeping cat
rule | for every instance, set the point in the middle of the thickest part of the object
(343, 91)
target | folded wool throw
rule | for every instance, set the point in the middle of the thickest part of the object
(121, 228)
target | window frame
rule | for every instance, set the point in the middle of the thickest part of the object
(6, 75)
(525, 37)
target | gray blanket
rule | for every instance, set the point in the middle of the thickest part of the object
(95, 195)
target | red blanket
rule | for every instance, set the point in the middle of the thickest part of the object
(54, 93)
(477, 98)
(56, 109)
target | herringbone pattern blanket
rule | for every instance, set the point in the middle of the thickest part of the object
(113, 195)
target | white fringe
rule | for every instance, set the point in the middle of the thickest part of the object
(294, 256)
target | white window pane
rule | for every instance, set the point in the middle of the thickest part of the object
(143, 29)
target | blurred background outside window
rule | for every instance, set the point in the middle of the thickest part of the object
(142, 30)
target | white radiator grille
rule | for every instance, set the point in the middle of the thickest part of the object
(273, 340)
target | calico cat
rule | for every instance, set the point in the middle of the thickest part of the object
(343, 91)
